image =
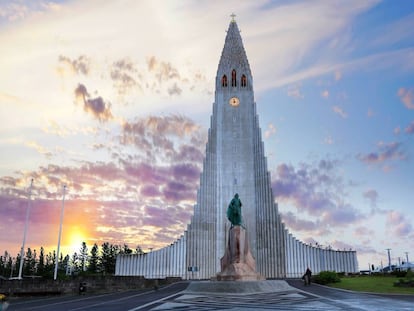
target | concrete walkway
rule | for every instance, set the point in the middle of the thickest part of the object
(279, 295)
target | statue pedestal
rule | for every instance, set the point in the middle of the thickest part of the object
(238, 264)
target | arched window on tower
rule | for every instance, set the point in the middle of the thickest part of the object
(224, 81)
(233, 78)
(243, 81)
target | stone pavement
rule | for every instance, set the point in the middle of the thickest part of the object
(276, 295)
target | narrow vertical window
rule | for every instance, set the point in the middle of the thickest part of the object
(243, 81)
(233, 78)
(224, 81)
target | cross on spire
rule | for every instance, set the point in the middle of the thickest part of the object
(232, 17)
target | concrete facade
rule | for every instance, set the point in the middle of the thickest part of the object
(235, 162)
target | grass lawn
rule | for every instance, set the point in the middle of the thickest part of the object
(374, 284)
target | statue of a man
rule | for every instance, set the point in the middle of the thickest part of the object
(234, 211)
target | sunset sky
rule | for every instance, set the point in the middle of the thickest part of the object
(114, 98)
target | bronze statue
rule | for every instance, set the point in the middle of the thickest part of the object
(234, 211)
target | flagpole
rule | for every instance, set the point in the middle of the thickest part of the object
(29, 205)
(60, 232)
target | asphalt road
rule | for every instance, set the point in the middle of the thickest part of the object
(171, 297)
(131, 300)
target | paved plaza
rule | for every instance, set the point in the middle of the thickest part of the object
(204, 296)
(293, 296)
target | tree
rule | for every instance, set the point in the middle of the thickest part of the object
(50, 264)
(74, 263)
(125, 249)
(108, 257)
(29, 265)
(41, 263)
(83, 256)
(10, 266)
(6, 265)
(139, 250)
(94, 259)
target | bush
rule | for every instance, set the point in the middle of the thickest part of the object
(399, 274)
(408, 281)
(326, 277)
(410, 274)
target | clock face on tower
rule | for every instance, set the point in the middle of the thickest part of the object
(234, 101)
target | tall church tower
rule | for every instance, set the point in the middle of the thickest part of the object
(235, 163)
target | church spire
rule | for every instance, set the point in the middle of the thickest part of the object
(233, 56)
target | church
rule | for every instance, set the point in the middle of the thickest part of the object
(235, 162)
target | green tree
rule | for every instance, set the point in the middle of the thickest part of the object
(83, 256)
(50, 264)
(74, 263)
(29, 265)
(7, 265)
(125, 249)
(17, 266)
(10, 266)
(139, 250)
(41, 263)
(3, 261)
(94, 259)
(108, 257)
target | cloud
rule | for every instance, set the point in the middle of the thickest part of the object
(124, 74)
(81, 65)
(40, 149)
(270, 131)
(296, 224)
(164, 71)
(372, 196)
(96, 106)
(407, 97)
(410, 128)
(391, 151)
(294, 91)
(398, 224)
(19, 10)
(338, 110)
(340, 245)
(174, 90)
(394, 31)
(316, 190)
(168, 138)
(338, 75)
(325, 94)
(363, 232)
(328, 140)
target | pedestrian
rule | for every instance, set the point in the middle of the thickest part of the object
(307, 276)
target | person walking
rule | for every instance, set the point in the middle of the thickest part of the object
(307, 276)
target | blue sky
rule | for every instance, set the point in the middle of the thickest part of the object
(114, 100)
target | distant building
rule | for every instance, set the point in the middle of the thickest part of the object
(235, 162)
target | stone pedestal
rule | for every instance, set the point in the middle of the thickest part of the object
(238, 264)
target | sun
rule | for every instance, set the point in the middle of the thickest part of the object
(73, 242)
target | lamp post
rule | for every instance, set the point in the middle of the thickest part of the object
(60, 232)
(29, 205)
(389, 258)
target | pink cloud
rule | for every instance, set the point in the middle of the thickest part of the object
(316, 190)
(398, 223)
(410, 128)
(96, 106)
(385, 152)
(338, 110)
(407, 97)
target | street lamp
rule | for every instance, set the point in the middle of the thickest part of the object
(29, 205)
(60, 232)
